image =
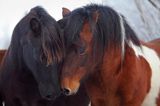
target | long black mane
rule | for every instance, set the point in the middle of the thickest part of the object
(52, 40)
(51, 37)
(106, 30)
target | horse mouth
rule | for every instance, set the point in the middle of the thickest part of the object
(48, 93)
(51, 97)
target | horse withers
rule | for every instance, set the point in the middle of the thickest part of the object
(104, 53)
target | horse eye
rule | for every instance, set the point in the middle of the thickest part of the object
(79, 47)
(82, 50)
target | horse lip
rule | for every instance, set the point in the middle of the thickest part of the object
(74, 92)
(50, 98)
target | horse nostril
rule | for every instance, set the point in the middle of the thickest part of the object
(66, 91)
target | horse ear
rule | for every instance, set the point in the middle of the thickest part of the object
(95, 16)
(65, 11)
(35, 26)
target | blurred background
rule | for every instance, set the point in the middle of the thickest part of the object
(142, 15)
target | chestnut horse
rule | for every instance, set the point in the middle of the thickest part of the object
(2, 52)
(29, 73)
(104, 53)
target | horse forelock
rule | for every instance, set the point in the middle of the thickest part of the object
(52, 43)
(51, 36)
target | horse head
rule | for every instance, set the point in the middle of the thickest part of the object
(92, 33)
(37, 44)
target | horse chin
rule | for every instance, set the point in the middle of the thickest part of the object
(75, 91)
(48, 97)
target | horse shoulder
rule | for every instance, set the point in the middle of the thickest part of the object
(150, 52)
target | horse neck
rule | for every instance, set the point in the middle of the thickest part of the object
(13, 69)
(10, 58)
(115, 63)
(115, 79)
(102, 82)
(10, 64)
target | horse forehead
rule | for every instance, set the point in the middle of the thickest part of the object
(86, 33)
(154, 62)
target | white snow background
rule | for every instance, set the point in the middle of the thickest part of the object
(11, 11)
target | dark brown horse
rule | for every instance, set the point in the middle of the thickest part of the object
(29, 73)
(103, 52)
